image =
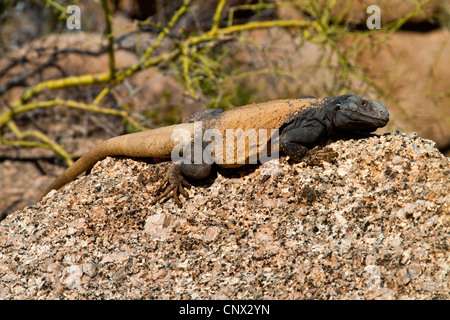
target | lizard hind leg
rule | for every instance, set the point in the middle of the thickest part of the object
(175, 181)
(173, 186)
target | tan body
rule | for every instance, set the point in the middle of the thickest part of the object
(267, 115)
(157, 143)
(303, 122)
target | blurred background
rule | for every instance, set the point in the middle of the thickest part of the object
(135, 65)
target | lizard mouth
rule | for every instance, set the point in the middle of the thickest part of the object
(382, 120)
(378, 119)
(366, 122)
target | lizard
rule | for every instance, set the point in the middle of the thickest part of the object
(304, 124)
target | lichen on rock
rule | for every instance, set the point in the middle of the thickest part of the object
(373, 225)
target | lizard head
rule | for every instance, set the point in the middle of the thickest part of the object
(355, 113)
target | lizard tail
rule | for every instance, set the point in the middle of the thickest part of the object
(85, 163)
(155, 143)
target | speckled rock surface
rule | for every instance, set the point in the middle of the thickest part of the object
(375, 225)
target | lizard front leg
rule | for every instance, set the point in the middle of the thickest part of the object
(296, 141)
(319, 154)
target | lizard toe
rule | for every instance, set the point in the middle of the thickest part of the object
(321, 154)
(174, 185)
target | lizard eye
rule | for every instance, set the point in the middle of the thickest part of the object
(338, 106)
(364, 103)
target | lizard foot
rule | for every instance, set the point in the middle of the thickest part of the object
(319, 154)
(173, 187)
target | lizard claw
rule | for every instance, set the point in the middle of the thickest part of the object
(173, 187)
(319, 154)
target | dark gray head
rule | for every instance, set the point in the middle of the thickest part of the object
(351, 112)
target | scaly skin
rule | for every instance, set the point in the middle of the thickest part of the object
(304, 126)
